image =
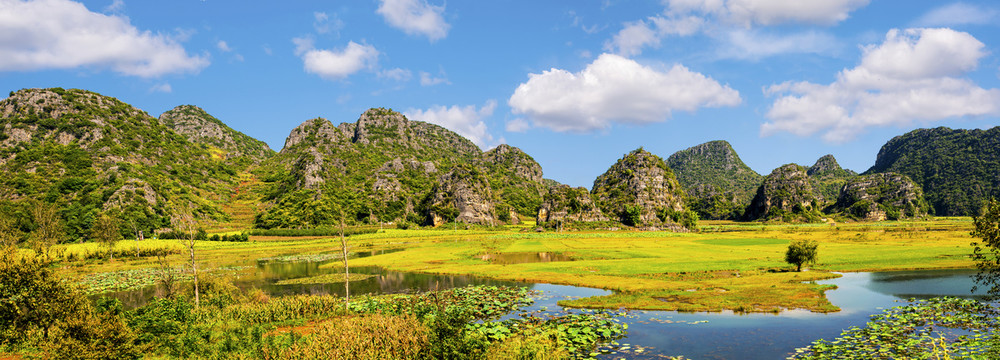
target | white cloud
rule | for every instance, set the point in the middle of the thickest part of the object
(959, 14)
(335, 64)
(726, 19)
(397, 74)
(518, 125)
(223, 46)
(116, 6)
(636, 35)
(325, 24)
(914, 75)
(754, 44)
(426, 79)
(464, 120)
(163, 88)
(614, 89)
(770, 12)
(62, 34)
(415, 17)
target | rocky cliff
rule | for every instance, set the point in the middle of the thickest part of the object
(638, 190)
(568, 204)
(199, 127)
(718, 184)
(786, 194)
(883, 196)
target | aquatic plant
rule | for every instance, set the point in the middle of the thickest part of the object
(936, 328)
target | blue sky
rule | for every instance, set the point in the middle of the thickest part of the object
(576, 84)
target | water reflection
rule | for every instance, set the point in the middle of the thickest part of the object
(523, 257)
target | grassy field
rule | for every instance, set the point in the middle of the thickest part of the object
(734, 266)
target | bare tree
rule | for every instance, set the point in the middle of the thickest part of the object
(106, 230)
(347, 272)
(185, 223)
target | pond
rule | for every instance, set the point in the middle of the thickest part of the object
(523, 258)
(728, 335)
(723, 335)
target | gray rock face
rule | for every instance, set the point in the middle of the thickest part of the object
(786, 190)
(568, 204)
(462, 194)
(201, 128)
(881, 196)
(638, 179)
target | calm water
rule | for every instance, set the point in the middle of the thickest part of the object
(768, 336)
(724, 335)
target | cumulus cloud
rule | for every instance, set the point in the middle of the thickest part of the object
(613, 89)
(464, 120)
(337, 63)
(62, 34)
(415, 17)
(959, 14)
(914, 75)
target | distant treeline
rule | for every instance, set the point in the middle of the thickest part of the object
(324, 231)
(202, 235)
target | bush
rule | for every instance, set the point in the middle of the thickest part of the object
(373, 336)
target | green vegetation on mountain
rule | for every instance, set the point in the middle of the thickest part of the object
(957, 169)
(718, 184)
(828, 177)
(87, 154)
(786, 195)
(200, 127)
(641, 190)
(884, 196)
(385, 167)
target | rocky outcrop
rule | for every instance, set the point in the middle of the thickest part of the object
(639, 180)
(514, 161)
(199, 127)
(718, 184)
(883, 196)
(568, 204)
(828, 177)
(786, 194)
(462, 195)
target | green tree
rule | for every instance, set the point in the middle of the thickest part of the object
(10, 234)
(108, 232)
(48, 227)
(34, 298)
(185, 223)
(986, 250)
(801, 252)
(632, 216)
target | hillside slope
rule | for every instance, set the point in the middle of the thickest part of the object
(718, 184)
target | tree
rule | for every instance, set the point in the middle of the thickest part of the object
(986, 250)
(107, 231)
(10, 234)
(34, 298)
(48, 227)
(801, 252)
(185, 223)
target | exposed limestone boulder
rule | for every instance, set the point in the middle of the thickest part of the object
(882, 196)
(639, 180)
(568, 204)
(462, 195)
(786, 194)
